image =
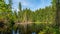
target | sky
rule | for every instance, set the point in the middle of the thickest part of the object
(32, 4)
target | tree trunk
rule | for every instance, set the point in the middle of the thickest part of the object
(57, 15)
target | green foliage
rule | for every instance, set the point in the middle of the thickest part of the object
(39, 21)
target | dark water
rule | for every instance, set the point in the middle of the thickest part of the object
(17, 32)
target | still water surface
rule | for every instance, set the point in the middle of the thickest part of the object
(17, 32)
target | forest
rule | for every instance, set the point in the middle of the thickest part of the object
(40, 21)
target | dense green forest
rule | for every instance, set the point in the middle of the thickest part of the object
(41, 21)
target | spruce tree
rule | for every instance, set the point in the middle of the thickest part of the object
(20, 6)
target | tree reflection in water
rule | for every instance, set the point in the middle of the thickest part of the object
(33, 32)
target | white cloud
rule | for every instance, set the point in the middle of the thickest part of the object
(26, 3)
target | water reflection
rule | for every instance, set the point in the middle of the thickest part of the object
(18, 31)
(15, 32)
(33, 32)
